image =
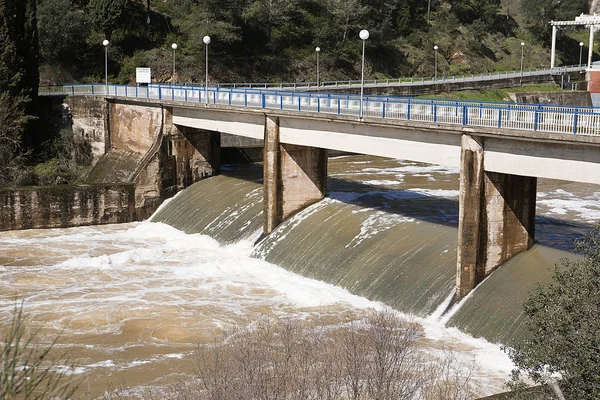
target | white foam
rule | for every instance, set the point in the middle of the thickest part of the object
(436, 192)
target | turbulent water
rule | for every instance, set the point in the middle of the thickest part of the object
(131, 301)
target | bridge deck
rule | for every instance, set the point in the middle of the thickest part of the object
(524, 117)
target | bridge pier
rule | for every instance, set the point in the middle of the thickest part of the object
(188, 155)
(496, 217)
(294, 176)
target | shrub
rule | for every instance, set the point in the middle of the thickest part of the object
(28, 371)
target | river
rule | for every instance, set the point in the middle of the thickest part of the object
(130, 302)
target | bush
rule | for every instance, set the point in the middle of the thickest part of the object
(28, 371)
(564, 321)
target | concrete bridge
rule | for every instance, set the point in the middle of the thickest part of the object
(501, 150)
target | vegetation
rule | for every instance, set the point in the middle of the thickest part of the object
(275, 40)
(28, 371)
(564, 320)
(375, 357)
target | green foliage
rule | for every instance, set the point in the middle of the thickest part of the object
(63, 30)
(564, 320)
(106, 15)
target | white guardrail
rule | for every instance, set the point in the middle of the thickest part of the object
(526, 117)
(324, 85)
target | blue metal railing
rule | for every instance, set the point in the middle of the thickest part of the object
(527, 117)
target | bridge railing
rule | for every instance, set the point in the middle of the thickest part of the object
(527, 117)
(404, 81)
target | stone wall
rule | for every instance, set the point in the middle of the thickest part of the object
(65, 206)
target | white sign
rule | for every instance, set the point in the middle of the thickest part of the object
(143, 75)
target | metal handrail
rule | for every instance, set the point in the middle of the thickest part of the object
(403, 81)
(520, 116)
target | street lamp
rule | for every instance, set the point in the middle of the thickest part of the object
(105, 43)
(435, 49)
(174, 47)
(522, 53)
(364, 35)
(580, 52)
(206, 41)
(318, 50)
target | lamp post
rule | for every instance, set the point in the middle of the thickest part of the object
(105, 43)
(174, 47)
(206, 41)
(522, 53)
(318, 50)
(364, 35)
(435, 49)
(428, 10)
(580, 52)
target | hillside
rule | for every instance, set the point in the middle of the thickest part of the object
(275, 40)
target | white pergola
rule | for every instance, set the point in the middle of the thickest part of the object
(587, 20)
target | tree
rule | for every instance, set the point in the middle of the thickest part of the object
(64, 29)
(106, 14)
(564, 321)
(19, 80)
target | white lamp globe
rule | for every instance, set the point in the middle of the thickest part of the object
(174, 46)
(206, 39)
(105, 42)
(522, 43)
(364, 34)
(580, 44)
(435, 47)
(318, 49)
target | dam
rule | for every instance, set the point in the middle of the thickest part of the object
(378, 231)
(131, 300)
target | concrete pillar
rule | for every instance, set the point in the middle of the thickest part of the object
(509, 219)
(496, 217)
(272, 201)
(188, 155)
(294, 176)
(591, 46)
(469, 213)
(553, 51)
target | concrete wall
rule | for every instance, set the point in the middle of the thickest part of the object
(134, 127)
(569, 98)
(89, 118)
(65, 206)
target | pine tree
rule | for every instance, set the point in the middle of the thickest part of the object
(19, 80)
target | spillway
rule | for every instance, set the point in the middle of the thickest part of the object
(387, 231)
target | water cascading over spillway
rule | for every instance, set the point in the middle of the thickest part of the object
(387, 231)
(227, 207)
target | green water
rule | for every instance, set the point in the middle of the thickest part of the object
(227, 207)
(494, 310)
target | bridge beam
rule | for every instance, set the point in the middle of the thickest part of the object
(294, 176)
(496, 217)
